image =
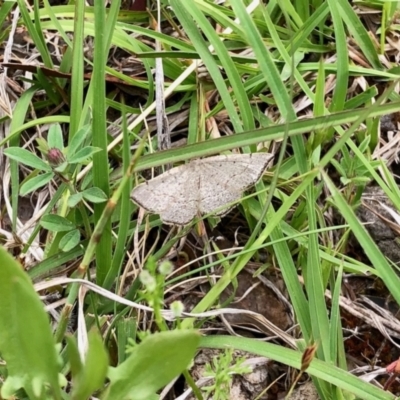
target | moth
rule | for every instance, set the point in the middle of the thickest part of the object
(202, 186)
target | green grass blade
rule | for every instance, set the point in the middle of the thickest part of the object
(77, 69)
(124, 222)
(5, 9)
(99, 136)
(315, 284)
(386, 272)
(338, 354)
(249, 138)
(266, 62)
(35, 31)
(319, 369)
(239, 93)
(180, 9)
(342, 63)
(360, 34)
(19, 116)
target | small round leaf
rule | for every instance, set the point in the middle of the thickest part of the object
(74, 199)
(56, 223)
(94, 195)
(70, 240)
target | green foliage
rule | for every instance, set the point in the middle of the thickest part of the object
(352, 170)
(221, 370)
(70, 240)
(264, 65)
(60, 163)
(29, 350)
(94, 195)
(57, 160)
(319, 369)
(26, 157)
(88, 377)
(55, 137)
(152, 364)
(26, 341)
(56, 223)
(153, 280)
(36, 183)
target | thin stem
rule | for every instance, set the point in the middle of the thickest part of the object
(94, 240)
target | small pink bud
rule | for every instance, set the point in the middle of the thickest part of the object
(55, 157)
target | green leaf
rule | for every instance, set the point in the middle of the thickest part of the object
(73, 356)
(378, 260)
(70, 240)
(36, 182)
(181, 9)
(5, 9)
(126, 329)
(55, 137)
(11, 385)
(94, 195)
(42, 145)
(152, 364)
(74, 199)
(360, 33)
(92, 375)
(61, 168)
(26, 342)
(322, 370)
(26, 157)
(56, 223)
(78, 139)
(83, 154)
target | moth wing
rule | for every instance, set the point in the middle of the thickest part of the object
(170, 195)
(225, 178)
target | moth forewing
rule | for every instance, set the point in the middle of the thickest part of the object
(200, 186)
